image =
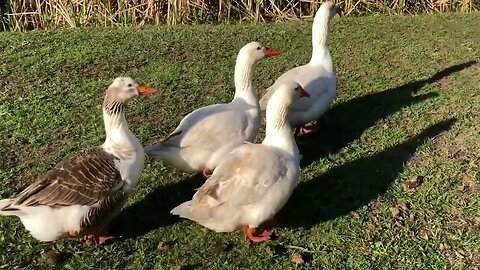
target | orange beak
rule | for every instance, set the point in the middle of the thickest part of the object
(145, 90)
(270, 52)
(303, 93)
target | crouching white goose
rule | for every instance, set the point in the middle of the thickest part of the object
(205, 135)
(317, 77)
(81, 194)
(253, 182)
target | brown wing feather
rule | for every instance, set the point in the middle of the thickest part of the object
(83, 179)
(98, 216)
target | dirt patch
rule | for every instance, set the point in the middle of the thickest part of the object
(443, 83)
(179, 56)
(29, 157)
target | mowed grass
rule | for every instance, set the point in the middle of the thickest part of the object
(408, 107)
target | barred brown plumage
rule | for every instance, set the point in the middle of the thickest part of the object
(83, 179)
(82, 193)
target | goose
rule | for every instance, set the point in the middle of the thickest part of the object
(203, 136)
(317, 77)
(254, 181)
(82, 193)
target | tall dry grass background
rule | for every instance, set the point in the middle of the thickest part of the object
(45, 14)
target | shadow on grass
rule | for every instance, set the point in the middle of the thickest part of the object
(153, 211)
(350, 186)
(334, 194)
(346, 122)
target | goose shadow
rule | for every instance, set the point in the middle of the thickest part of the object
(153, 211)
(346, 122)
(350, 186)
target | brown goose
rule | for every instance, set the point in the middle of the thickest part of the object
(82, 193)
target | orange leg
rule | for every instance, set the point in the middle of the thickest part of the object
(104, 236)
(73, 232)
(90, 240)
(205, 171)
(99, 239)
(265, 235)
(309, 128)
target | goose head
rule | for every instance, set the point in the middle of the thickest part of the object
(290, 91)
(122, 90)
(327, 10)
(277, 113)
(125, 88)
(256, 51)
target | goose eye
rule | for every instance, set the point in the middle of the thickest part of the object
(259, 48)
(129, 85)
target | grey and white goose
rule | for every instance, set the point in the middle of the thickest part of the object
(82, 193)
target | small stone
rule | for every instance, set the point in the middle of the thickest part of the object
(224, 247)
(274, 249)
(53, 258)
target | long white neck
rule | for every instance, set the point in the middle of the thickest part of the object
(243, 80)
(118, 135)
(320, 52)
(278, 132)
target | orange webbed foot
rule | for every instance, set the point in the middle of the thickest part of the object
(205, 171)
(257, 239)
(97, 239)
(309, 128)
(73, 232)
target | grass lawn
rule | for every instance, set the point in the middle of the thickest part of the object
(391, 181)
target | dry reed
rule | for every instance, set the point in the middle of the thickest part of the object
(45, 14)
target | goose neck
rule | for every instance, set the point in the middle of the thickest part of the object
(116, 127)
(278, 132)
(319, 37)
(243, 78)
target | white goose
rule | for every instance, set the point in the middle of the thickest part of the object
(82, 193)
(205, 135)
(317, 77)
(254, 181)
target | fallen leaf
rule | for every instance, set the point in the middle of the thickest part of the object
(297, 258)
(412, 183)
(165, 246)
(355, 215)
(402, 206)
(371, 226)
(459, 255)
(411, 217)
(395, 211)
(444, 246)
(424, 235)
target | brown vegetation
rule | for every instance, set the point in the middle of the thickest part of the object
(43, 14)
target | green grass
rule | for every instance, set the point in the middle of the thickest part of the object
(408, 105)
